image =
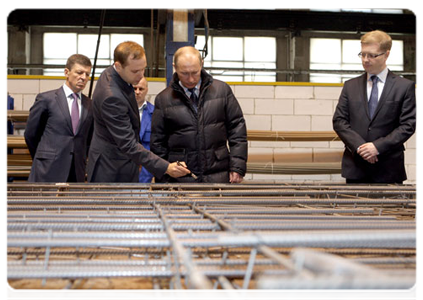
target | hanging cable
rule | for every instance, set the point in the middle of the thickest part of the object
(206, 31)
(103, 14)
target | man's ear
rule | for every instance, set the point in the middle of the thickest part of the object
(118, 66)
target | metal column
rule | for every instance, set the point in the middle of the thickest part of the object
(179, 33)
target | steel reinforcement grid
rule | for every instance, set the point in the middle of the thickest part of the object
(211, 236)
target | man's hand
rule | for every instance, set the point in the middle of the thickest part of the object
(368, 152)
(234, 177)
(177, 171)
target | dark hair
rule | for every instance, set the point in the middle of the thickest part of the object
(78, 59)
(126, 50)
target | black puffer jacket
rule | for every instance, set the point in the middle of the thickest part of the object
(202, 138)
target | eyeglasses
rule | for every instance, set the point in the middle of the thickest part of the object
(369, 55)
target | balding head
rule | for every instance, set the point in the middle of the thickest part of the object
(188, 64)
(141, 90)
(186, 51)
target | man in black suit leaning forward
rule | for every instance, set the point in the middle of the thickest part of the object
(115, 152)
(375, 115)
(59, 127)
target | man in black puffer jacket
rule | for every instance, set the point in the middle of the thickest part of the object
(198, 120)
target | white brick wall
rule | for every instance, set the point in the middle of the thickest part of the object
(313, 107)
(247, 105)
(294, 92)
(279, 107)
(290, 123)
(23, 86)
(258, 122)
(321, 123)
(248, 91)
(325, 92)
(48, 85)
(155, 87)
(28, 100)
(273, 106)
(411, 143)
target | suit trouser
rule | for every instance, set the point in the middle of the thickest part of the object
(72, 173)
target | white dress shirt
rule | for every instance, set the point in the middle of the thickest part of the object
(69, 97)
(380, 83)
(141, 109)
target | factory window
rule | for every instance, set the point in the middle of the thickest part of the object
(341, 54)
(56, 54)
(236, 58)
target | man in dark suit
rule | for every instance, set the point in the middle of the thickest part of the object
(375, 115)
(146, 110)
(59, 127)
(115, 152)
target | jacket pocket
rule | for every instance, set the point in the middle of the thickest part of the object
(176, 155)
(221, 153)
(45, 155)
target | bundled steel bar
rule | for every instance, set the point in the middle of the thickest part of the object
(265, 135)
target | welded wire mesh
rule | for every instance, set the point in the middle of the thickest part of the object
(211, 236)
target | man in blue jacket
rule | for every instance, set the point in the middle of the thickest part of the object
(146, 112)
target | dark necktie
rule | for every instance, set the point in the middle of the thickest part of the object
(75, 112)
(194, 98)
(373, 96)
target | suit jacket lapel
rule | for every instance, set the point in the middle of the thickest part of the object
(390, 82)
(362, 92)
(64, 108)
(84, 113)
(133, 102)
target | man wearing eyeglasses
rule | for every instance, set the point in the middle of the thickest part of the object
(375, 116)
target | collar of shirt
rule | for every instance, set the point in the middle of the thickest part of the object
(69, 92)
(382, 75)
(380, 83)
(143, 106)
(69, 97)
(196, 89)
(141, 109)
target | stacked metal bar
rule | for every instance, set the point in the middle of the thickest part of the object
(211, 236)
(19, 163)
